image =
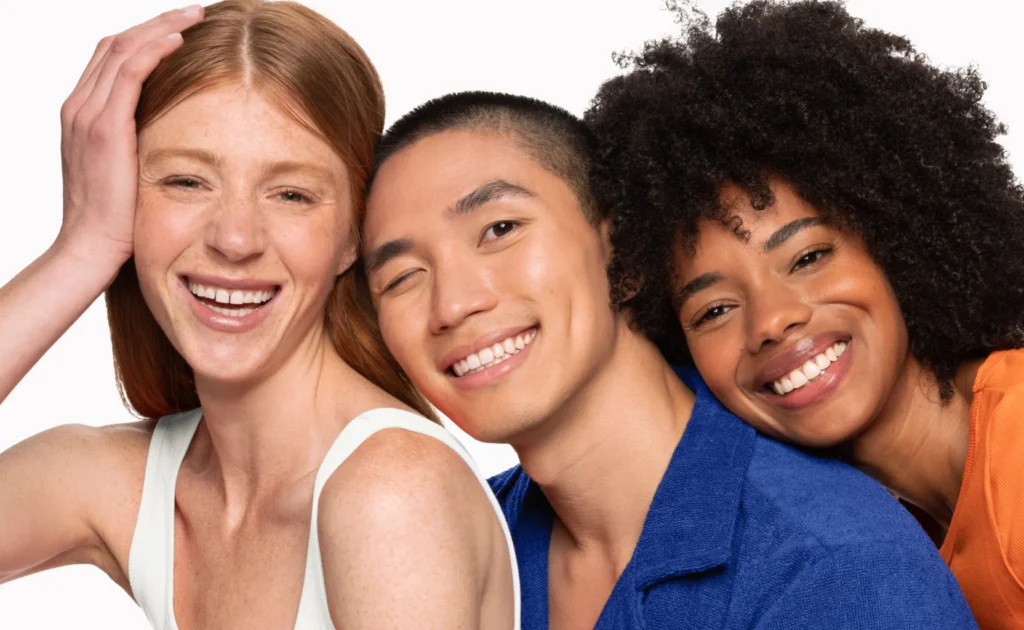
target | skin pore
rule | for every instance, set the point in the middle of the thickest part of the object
(767, 292)
(469, 242)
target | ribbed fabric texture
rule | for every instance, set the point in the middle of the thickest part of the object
(745, 532)
(985, 543)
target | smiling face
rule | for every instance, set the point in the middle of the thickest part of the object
(795, 329)
(244, 221)
(489, 280)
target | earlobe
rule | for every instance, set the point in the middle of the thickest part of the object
(348, 258)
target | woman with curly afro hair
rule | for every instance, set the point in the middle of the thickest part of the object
(824, 224)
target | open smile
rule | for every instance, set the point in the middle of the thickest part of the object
(230, 306)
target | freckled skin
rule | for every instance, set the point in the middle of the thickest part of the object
(235, 219)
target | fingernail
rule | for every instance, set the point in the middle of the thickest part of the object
(192, 11)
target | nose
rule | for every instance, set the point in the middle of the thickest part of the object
(235, 229)
(460, 290)
(773, 314)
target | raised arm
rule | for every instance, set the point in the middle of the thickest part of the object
(409, 540)
(100, 169)
(49, 484)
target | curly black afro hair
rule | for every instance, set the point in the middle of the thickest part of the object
(880, 141)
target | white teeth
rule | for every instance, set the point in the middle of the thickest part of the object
(232, 298)
(493, 355)
(810, 370)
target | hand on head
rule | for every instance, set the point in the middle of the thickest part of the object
(98, 141)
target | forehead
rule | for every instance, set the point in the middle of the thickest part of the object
(231, 120)
(746, 226)
(422, 181)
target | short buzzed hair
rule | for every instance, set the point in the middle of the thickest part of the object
(557, 140)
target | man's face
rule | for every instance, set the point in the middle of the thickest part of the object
(489, 280)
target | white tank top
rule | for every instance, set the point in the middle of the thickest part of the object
(151, 559)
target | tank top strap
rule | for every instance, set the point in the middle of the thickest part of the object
(313, 609)
(151, 557)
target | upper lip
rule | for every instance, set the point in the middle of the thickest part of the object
(799, 352)
(488, 340)
(250, 284)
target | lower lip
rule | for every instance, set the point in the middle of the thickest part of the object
(483, 378)
(226, 323)
(817, 390)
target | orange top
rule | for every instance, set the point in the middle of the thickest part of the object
(985, 544)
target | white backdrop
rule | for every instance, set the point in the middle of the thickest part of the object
(558, 50)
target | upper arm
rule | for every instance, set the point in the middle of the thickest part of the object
(875, 585)
(407, 536)
(50, 492)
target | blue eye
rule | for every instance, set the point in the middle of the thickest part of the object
(294, 196)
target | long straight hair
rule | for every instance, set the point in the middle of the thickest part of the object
(316, 72)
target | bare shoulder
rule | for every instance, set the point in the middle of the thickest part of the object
(78, 447)
(406, 530)
(402, 476)
(72, 493)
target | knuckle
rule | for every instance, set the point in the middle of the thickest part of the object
(122, 44)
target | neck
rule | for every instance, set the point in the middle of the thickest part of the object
(268, 433)
(917, 445)
(606, 449)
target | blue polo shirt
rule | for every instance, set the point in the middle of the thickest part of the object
(746, 532)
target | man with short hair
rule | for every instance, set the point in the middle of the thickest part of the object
(640, 501)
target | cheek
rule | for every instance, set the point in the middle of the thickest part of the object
(717, 357)
(403, 338)
(162, 232)
(310, 247)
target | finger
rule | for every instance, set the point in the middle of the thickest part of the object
(126, 44)
(127, 85)
(97, 57)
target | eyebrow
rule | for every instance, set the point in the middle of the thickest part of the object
(774, 241)
(288, 166)
(194, 154)
(696, 285)
(788, 231)
(491, 191)
(384, 253)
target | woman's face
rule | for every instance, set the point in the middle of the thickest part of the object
(795, 329)
(244, 221)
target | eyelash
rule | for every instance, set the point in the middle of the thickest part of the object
(822, 251)
(806, 259)
(706, 315)
(397, 281)
(513, 225)
(191, 183)
(188, 183)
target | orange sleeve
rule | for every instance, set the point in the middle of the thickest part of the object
(1005, 474)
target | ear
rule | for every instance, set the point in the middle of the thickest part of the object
(348, 256)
